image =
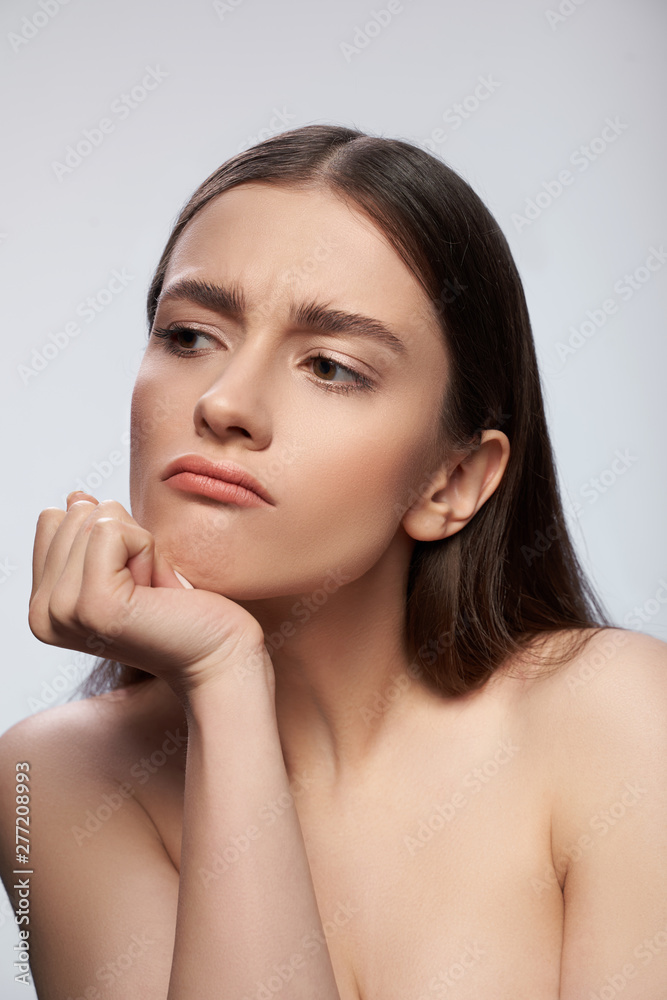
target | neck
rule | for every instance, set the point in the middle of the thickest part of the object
(346, 689)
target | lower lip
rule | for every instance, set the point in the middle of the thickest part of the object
(216, 489)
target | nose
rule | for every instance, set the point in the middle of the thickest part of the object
(237, 403)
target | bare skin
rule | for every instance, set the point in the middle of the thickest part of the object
(475, 909)
(415, 901)
(405, 908)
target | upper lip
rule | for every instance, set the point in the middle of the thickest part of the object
(229, 472)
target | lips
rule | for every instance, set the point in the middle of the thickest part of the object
(216, 474)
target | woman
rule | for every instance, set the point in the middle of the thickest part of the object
(348, 651)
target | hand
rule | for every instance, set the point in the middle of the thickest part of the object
(97, 576)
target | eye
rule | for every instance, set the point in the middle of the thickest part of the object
(358, 380)
(170, 337)
(175, 334)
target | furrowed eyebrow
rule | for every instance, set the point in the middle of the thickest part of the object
(313, 315)
(217, 297)
(319, 317)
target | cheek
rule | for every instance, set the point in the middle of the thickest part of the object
(155, 410)
(347, 500)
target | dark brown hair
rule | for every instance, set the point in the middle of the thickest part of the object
(510, 577)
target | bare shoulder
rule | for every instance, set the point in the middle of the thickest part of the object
(76, 831)
(607, 694)
(90, 738)
(600, 724)
(616, 674)
(79, 726)
(68, 755)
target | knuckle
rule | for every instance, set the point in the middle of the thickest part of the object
(81, 507)
(86, 615)
(59, 609)
(111, 505)
(50, 515)
(99, 524)
(36, 618)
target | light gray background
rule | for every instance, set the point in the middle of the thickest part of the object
(555, 80)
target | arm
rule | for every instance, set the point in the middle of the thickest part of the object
(246, 897)
(108, 918)
(95, 570)
(610, 820)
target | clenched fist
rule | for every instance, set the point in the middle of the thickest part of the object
(97, 573)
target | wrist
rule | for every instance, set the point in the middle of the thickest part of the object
(246, 682)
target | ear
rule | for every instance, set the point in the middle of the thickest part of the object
(458, 489)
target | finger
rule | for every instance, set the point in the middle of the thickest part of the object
(77, 495)
(163, 574)
(59, 542)
(73, 615)
(55, 530)
(47, 525)
(106, 599)
(69, 579)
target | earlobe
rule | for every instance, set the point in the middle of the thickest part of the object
(455, 496)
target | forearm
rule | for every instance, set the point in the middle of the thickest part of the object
(246, 896)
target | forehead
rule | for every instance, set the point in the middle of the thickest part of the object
(283, 242)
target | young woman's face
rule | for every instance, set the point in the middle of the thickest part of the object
(339, 459)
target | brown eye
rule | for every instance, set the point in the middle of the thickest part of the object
(327, 371)
(327, 365)
(171, 337)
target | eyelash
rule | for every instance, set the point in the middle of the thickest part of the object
(361, 381)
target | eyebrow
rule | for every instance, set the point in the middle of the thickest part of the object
(313, 315)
